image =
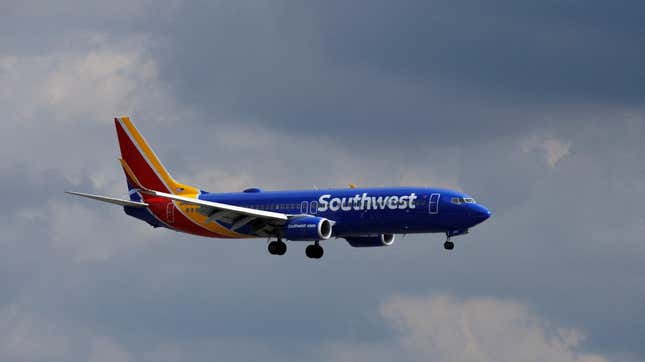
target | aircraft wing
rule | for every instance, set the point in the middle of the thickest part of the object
(237, 215)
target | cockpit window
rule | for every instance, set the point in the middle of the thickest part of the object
(462, 200)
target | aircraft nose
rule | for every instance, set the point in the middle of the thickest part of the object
(480, 213)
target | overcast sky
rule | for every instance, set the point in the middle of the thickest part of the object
(537, 109)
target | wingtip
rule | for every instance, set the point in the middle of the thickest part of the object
(74, 193)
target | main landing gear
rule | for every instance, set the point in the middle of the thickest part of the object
(314, 251)
(277, 247)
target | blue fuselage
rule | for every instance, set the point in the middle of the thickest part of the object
(369, 211)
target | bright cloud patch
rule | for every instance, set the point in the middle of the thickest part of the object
(447, 329)
(554, 149)
(93, 79)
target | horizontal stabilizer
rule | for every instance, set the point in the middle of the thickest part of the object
(110, 200)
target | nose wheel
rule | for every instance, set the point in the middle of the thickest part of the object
(448, 245)
(314, 251)
(277, 247)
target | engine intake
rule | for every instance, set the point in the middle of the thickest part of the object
(370, 241)
(307, 228)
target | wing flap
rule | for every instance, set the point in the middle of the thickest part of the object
(110, 200)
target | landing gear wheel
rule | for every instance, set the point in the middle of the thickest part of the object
(448, 245)
(277, 248)
(314, 251)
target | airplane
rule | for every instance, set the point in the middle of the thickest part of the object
(364, 217)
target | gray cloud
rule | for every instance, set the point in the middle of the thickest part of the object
(535, 110)
(443, 328)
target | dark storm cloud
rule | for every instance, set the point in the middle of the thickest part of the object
(407, 69)
(582, 51)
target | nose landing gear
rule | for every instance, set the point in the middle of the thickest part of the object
(449, 245)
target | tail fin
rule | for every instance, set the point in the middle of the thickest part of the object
(142, 167)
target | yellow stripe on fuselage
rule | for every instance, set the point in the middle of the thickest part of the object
(201, 219)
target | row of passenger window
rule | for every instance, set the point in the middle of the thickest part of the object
(288, 207)
(274, 206)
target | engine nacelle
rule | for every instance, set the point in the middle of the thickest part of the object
(370, 241)
(307, 228)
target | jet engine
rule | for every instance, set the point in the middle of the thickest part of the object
(308, 228)
(370, 241)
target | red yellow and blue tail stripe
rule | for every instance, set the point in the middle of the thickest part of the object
(144, 170)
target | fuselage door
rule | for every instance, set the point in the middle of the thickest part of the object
(303, 207)
(434, 204)
(170, 212)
